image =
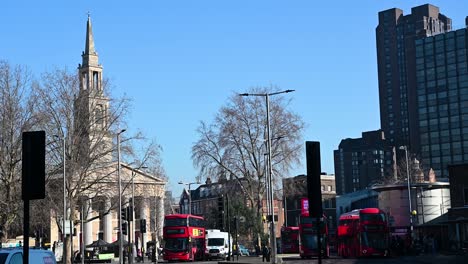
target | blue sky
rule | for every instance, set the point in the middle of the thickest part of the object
(180, 60)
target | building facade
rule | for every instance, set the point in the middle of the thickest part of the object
(458, 213)
(361, 162)
(396, 34)
(295, 189)
(204, 201)
(442, 102)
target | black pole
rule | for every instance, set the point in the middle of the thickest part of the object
(26, 232)
(235, 239)
(228, 227)
(319, 242)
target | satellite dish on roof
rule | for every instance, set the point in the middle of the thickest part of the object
(242, 219)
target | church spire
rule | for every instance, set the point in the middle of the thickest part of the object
(90, 56)
(89, 47)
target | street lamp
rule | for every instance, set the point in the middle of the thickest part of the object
(190, 194)
(409, 189)
(120, 198)
(270, 185)
(64, 191)
(132, 233)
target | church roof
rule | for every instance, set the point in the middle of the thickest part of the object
(141, 173)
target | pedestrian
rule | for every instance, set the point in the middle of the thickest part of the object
(265, 254)
(432, 244)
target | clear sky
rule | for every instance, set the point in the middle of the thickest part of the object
(180, 60)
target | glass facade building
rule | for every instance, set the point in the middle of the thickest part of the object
(396, 34)
(442, 99)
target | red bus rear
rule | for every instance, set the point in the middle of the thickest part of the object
(362, 233)
(184, 237)
(308, 239)
(290, 239)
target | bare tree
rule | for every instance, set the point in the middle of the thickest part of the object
(418, 172)
(234, 144)
(17, 114)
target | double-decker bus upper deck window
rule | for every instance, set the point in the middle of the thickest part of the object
(372, 217)
(175, 222)
(196, 222)
(345, 222)
(306, 220)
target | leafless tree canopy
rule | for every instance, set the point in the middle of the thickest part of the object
(233, 146)
(17, 114)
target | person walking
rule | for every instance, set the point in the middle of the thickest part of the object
(265, 254)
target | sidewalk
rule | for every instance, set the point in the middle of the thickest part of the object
(441, 259)
(252, 259)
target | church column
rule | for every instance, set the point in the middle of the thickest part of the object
(88, 226)
(107, 221)
(159, 216)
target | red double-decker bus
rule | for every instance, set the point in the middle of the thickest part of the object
(363, 232)
(290, 239)
(184, 237)
(308, 238)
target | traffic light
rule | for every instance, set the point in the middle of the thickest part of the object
(143, 225)
(124, 228)
(124, 214)
(129, 213)
(221, 212)
(314, 193)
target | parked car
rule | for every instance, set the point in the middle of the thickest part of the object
(36, 256)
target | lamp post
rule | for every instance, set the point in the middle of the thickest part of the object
(64, 190)
(270, 184)
(190, 194)
(132, 232)
(409, 189)
(121, 256)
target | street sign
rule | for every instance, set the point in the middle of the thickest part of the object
(67, 227)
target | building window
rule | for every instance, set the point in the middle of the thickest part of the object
(99, 116)
(96, 80)
(329, 188)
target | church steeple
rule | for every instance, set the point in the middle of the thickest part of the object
(91, 105)
(89, 47)
(90, 56)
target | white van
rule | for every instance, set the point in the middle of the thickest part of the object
(36, 256)
(218, 244)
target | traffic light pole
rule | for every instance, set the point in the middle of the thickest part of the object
(228, 228)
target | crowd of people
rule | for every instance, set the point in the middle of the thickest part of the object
(427, 244)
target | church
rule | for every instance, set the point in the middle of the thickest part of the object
(95, 214)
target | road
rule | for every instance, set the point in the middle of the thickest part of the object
(295, 259)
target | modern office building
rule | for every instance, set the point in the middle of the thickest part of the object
(396, 57)
(442, 102)
(361, 162)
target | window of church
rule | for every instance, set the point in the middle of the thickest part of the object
(96, 80)
(99, 117)
(85, 80)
